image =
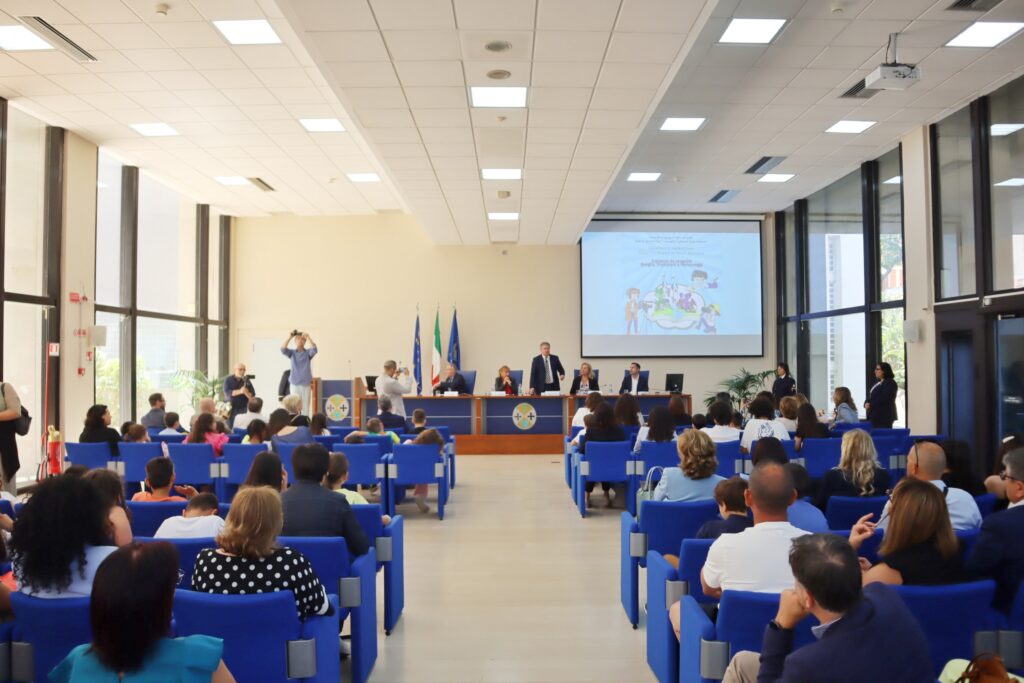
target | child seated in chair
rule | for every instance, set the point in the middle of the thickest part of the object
(337, 475)
(160, 481)
(198, 520)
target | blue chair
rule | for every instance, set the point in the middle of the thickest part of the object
(223, 509)
(602, 461)
(968, 537)
(92, 455)
(661, 528)
(950, 616)
(146, 518)
(517, 375)
(45, 631)
(235, 465)
(355, 584)
(444, 430)
(284, 451)
(194, 463)
(383, 442)
(365, 467)
(730, 460)
(470, 377)
(389, 544)
(341, 432)
(263, 637)
(820, 455)
(188, 551)
(416, 464)
(235, 438)
(842, 512)
(644, 374)
(7, 509)
(328, 442)
(652, 454)
(986, 504)
(134, 457)
(596, 373)
(843, 427)
(169, 438)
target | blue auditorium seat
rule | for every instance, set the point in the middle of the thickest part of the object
(235, 465)
(146, 518)
(91, 455)
(416, 464)
(135, 456)
(389, 543)
(188, 551)
(986, 503)
(602, 461)
(193, 463)
(842, 512)
(820, 455)
(45, 631)
(730, 460)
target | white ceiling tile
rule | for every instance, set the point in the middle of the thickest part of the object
(232, 78)
(644, 47)
(157, 60)
(81, 83)
(557, 118)
(376, 98)
(839, 57)
(62, 103)
(477, 73)
(632, 75)
(130, 36)
(338, 15)
(99, 11)
(49, 62)
(181, 80)
(604, 118)
(203, 58)
(436, 98)
(577, 15)
(363, 74)
(349, 46)
(423, 45)
(495, 14)
(570, 46)
(413, 14)
(430, 73)
(519, 46)
(266, 112)
(560, 98)
(282, 78)
(498, 118)
(266, 56)
(869, 32)
(131, 82)
(84, 36)
(203, 98)
(385, 118)
(156, 98)
(626, 99)
(179, 116)
(565, 74)
(556, 135)
(221, 113)
(455, 161)
(228, 9)
(111, 61)
(187, 34)
(789, 56)
(656, 15)
(108, 100)
(298, 95)
(441, 118)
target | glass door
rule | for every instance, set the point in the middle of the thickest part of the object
(1010, 372)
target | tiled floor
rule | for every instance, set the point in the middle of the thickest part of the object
(513, 586)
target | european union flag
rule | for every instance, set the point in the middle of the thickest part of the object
(454, 350)
(417, 369)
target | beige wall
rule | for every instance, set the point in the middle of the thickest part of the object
(361, 277)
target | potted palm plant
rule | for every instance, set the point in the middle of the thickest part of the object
(742, 386)
(200, 386)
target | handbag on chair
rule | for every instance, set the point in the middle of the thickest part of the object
(987, 667)
(646, 490)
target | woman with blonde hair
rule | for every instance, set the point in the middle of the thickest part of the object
(248, 559)
(859, 472)
(585, 381)
(695, 478)
(506, 382)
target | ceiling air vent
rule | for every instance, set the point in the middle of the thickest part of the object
(860, 91)
(765, 164)
(973, 5)
(262, 184)
(723, 196)
(44, 30)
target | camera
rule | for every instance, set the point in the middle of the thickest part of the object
(250, 376)
(296, 333)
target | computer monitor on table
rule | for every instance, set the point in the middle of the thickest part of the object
(674, 383)
(371, 383)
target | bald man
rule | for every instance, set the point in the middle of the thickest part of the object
(208, 405)
(927, 461)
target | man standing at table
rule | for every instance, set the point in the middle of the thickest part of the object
(634, 382)
(392, 387)
(301, 377)
(238, 391)
(546, 372)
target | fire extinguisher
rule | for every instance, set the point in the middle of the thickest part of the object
(53, 450)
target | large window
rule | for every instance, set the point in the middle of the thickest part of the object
(24, 348)
(954, 247)
(834, 261)
(25, 234)
(890, 227)
(837, 352)
(789, 256)
(164, 348)
(166, 276)
(108, 231)
(110, 375)
(1006, 163)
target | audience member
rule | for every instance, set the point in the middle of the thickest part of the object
(356, 438)
(801, 513)
(160, 481)
(699, 421)
(999, 552)
(136, 433)
(248, 546)
(172, 425)
(204, 431)
(111, 488)
(677, 406)
(318, 425)
(845, 411)
(98, 429)
(865, 634)
(801, 399)
(280, 430)
(927, 461)
(724, 397)
(254, 411)
(267, 470)
(995, 484)
(695, 478)
(580, 438)
(375, 427)
(761, 424)
(387, 418)
(659, 428)
(124, 428)
(419, 421)
(959, 472)
(76, 471)
(293, 404)
(788, 407)
(593, 400)
(154, 419)
(60, 537)
(627, 411)
(430, 437)
(238, 391)
(198, 520)
(605, 428)
(737, 421)
(209, 406)
(255, 432)
(859, 472)
(310, 509)
(731, 507)
(130, 611)
(337, 475)
(919, 547)
(719, 429)
(808, 426)
(784, 385)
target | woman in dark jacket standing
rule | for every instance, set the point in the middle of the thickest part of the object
(784, 384)
(881, 403)
(10, 412)
(98, 429)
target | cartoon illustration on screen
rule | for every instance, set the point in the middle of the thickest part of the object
(633, 308)
(674, 306)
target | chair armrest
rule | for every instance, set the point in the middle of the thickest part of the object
(662, 647)
(696, 630)
(394, 532)
(324, 630)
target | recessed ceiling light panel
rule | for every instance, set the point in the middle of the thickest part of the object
(682, 123)
(850, 126)
(154, 130)
(502, 216)
(775, 178)
(505, 97)
(642, 177)
(1001, 129)
(18, 38)
(322, 125)
(985, 34)
(1011, 182)
(501, 173)
(363, 177)
(232, 180)
(752, 31)
(248, 32)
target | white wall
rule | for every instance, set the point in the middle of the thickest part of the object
(354, 283)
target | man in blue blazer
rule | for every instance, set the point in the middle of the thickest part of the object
(863, 634)
(634, 382)
(999, 552)
(546, 372)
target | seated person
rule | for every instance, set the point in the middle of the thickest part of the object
(249, 540)
(312, 510)
(660, 428)
(204, 430)
(845, 411)
(267, 470)
(808, 426)
(293, 404)
(452, 381)
(761, 424)
(318, 425)
(172, 425)
(588, 423)
(154, 419)
(61, 537)
(419, 421)
(695, 478)
(585, 381)
(634, 382)
(871, 635)
(255, 432)
(627, 412)
(737, 421)
(927, 461)
(160, 481)
(388, 419)
(995, 484)
(136, 433)
(590, 403)
(355, 438)
(999, 552)
(720, 430)
(254, 412)
(98, 430)
(603, 428)
(677, 406)
(198, 520)
(111, 488)
(506, 382)
(281, 430)
(788, 407)
(919, 547)
(208, 406)
(130, 610)
(859, 472)
(700, 421)
(801, 513)
(731, 507)
(337, 475)
(430, 437)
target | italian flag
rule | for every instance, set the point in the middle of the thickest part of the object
(435, 356)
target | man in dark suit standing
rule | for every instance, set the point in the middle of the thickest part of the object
(634, 382)
(865, 634)
(453, 381)
(546, 371)
(999, 553)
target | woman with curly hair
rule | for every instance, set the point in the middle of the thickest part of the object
(858, 474)
(60, 538)
(695, 478)
(111, 487)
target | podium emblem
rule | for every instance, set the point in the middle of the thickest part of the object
(336, 407)
(524, 416)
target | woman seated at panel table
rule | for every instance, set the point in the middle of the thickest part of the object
(584, 382)
(506, 382)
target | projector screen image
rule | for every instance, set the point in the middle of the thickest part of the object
(671, 288)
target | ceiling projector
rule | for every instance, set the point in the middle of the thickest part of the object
(893, 77)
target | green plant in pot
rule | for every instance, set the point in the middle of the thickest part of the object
(200, 386)
(742, 386)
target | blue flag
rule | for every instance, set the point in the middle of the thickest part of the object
(454, 350)
(417, 370)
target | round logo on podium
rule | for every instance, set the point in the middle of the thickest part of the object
(336, 407)
(524, 416)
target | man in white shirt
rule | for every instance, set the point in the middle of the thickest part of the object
(761, 424)
(255, 409)
(927, 461)
(634, 382)
(389, 384)
(756, 559)
(198, 520)
(720, 415)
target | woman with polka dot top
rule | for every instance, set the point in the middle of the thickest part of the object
(248, 561)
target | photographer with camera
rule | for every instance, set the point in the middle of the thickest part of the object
(237, 391)
(301, 377)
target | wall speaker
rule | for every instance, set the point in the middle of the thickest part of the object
(911, 331)
(97, 336)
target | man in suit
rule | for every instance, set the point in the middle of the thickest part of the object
(546, 372)
(387, 418)
(453, 381)
(312, 510)
(999, 553)
(634, 382)
(864, 634)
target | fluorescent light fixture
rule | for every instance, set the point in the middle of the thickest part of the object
(1001, 129)
(501, 173)
(248, 32)
(775, 178)
(154, 130)
(322, 125)
(641, 177)
(502, 216)
(985, 34)
(850, 126)
(682, 123)
(18, 38)
(895, 180)
(235, 180)
(756, 31)
(1011, 182)
(363, 177)
(490, 96)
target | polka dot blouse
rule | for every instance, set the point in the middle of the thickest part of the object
(283, 570)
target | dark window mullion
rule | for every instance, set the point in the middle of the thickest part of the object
(803, 360)
(980, 149)
(872, 267)
(3, 220)
(53, 220)
(129, 285)
(203, 286)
